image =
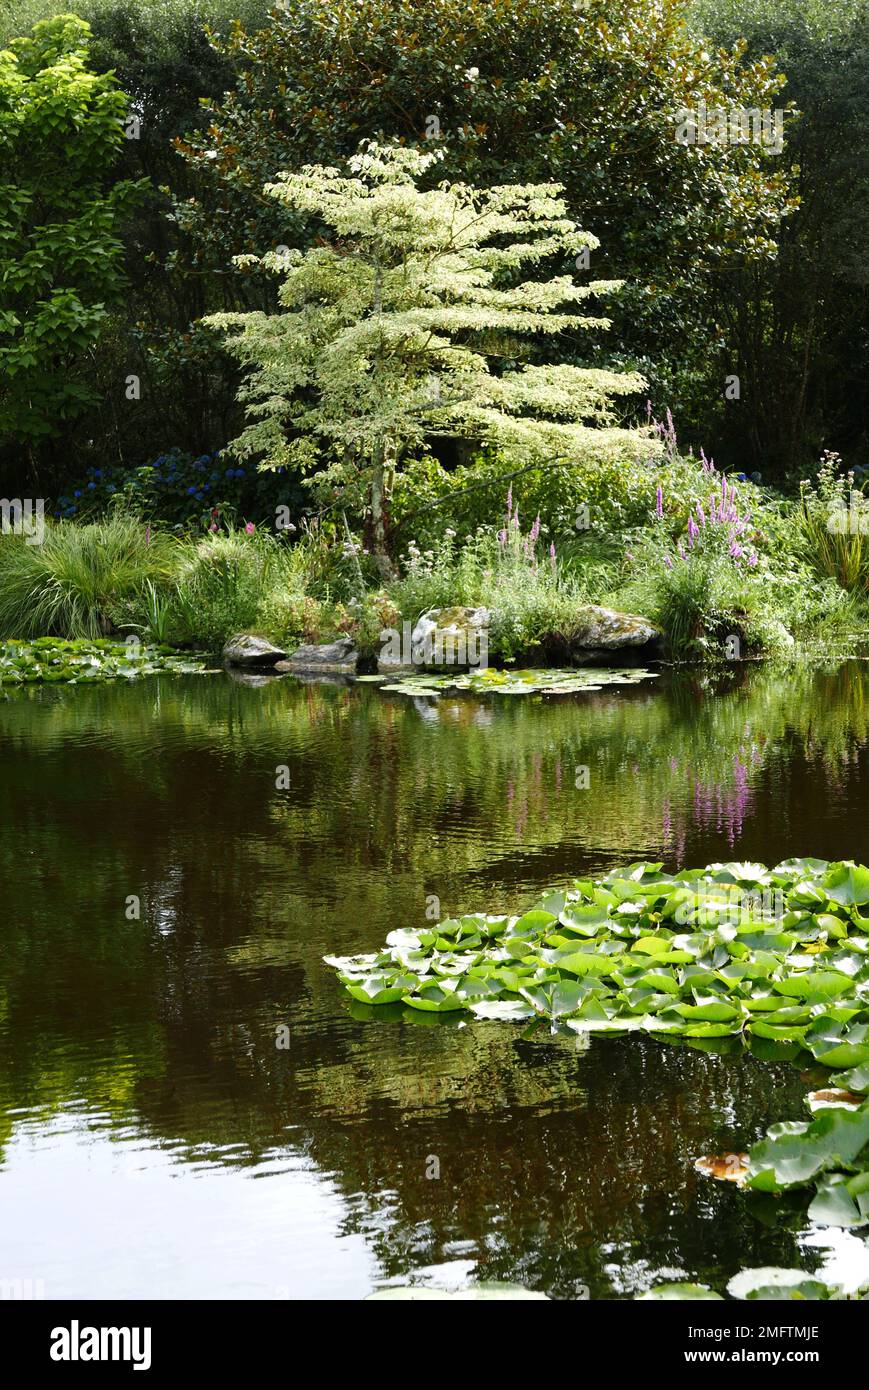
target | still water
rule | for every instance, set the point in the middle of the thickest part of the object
(154, 1139)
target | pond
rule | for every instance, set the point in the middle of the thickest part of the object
(192, 1107)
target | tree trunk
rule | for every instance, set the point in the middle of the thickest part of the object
(378, 506)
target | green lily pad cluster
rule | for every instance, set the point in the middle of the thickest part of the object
(537, 682)
(49, 659)
(768, 1283)
(779, 954)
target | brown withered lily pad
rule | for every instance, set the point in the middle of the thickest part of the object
(833, 1095)
(723, 1167)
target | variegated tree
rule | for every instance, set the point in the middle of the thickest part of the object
(410, 319)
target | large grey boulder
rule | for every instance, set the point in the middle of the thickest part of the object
(607, 630)
(330, 658)
(441, 639)
(245, 649)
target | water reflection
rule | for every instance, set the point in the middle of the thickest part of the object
(153, 1137)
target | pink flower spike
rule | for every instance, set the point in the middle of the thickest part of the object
(701, 515)
(659, 501)
(668, 562)
(250, 528)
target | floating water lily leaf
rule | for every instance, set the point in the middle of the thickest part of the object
(847, 884)
(856, 1079)
(773, 1283)
(723, 1167)
(793, 1153)
(834, 1096)
(583, 919)
(840, 1201)
(816, 986)
(839, 1045)
(669, 1292)
(417, 1293)
(512, 1010)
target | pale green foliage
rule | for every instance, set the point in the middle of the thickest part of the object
(409, 323)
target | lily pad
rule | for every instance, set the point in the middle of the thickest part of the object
(490, 681)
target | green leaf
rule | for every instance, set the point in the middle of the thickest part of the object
(777, 1284)
(670, 1292)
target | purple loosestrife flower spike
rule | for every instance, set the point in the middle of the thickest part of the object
(668, 562)
(701, 515)
(659, 501)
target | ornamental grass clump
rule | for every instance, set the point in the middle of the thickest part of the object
(834, 517)
(75, 582)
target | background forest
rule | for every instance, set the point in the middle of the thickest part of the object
(739, 264)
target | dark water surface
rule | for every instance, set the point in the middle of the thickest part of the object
(154, 1140)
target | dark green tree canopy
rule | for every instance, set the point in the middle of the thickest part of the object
(61, 127)
(586, 94)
